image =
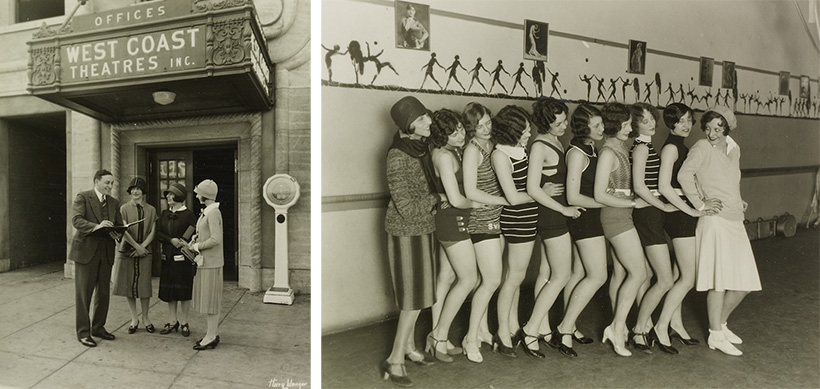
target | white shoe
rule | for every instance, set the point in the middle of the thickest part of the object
(717, 340)
(730, 336)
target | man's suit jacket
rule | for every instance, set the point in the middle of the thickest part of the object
(87, 213)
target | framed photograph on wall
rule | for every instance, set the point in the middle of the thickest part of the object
(536, 39)
(707, 68)
(728, 75)
(783, 84)
(412, 26)
(805, 89)
(636, 57)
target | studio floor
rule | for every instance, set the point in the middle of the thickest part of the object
(780, 327)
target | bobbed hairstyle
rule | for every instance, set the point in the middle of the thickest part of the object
(708, 116)
(445, 122)
(473, 112)
(614, 115)
(544, 112)
(673, 112)
(636, 110)
(509, 124)
(579, 122)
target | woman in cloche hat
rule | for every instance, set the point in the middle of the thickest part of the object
(176, 280)
(133, 257)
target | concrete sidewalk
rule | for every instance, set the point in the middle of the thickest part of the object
(262, 345)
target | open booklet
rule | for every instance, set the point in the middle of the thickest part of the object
(104, 231)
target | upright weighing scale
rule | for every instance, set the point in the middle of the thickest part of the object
(281, 191)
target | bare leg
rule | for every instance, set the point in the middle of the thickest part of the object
(543, 277)
(560, 253)
(145, 303)
(518, 259)
(615, 280)
(685, 255)
(659, 259)
(593, 256)
(488, 258)
(630, 254)
(404, 331)
(462, 258)
(445, 279)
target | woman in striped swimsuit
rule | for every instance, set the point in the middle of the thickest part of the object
(547, 165)
(649, 222)
(511, 131)
(481, 186)
(613, 183)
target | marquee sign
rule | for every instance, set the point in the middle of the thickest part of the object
(211, 54)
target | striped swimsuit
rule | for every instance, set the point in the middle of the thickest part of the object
(518, 222)
(484, 220)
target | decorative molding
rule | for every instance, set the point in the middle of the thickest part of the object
(212, 5)
(252, 259)
(47, 31)
(44, 66)
(229, 46)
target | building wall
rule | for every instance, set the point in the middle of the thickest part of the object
(285, 134)
(586, 38)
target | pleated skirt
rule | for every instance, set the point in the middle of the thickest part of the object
(132, 276)
(725, 260)
(207, 293)
(413, 270)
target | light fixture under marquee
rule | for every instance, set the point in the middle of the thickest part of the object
(164, 97)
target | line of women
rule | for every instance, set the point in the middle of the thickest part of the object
(501, 189)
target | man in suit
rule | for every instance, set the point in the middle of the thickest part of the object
(93, 254)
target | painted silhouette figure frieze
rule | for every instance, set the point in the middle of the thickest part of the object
(497, 74)
(379, 64)
(682, 94)
(476, 72)
(587, 80)
(555, 84)
(636, 85)
(354, 50)
(600, 88)
(429, 65)
(538, 77)
(648, 92)
(518, 74)
(329, 60)
(612, 89)
(624, 83)
(658, 87)
(456, 64)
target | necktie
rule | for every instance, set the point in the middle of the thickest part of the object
(140, 215)
(105, 208)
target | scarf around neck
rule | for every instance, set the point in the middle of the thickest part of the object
(418, 149)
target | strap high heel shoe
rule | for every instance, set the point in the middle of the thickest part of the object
(501, 348)
(453, 350)
(646, 346)
(689, 342)
(557, 341)
(209, 346)
(437, 348)
(546, 339)
(580, 339)
(186, 330)
(397, 379)
(522, 336)
(133, 328)
(617, 342)
(667, 349)
(168, 328)
(419, 358)
(471, 350)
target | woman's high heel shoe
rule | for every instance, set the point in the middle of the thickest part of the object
(617, 342)
(521, 337)
(546, 340)
(557, 341)
(501, 348)
(581, 339)
(133, 328)
(689, 342)
(150, 328)
(437, 348)
(397, 379)
(646, 346)
(168, 328)
(453, 350)
(471, 350)
(418, 358)
(667, 349)
(211, 345)
(186, 330)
